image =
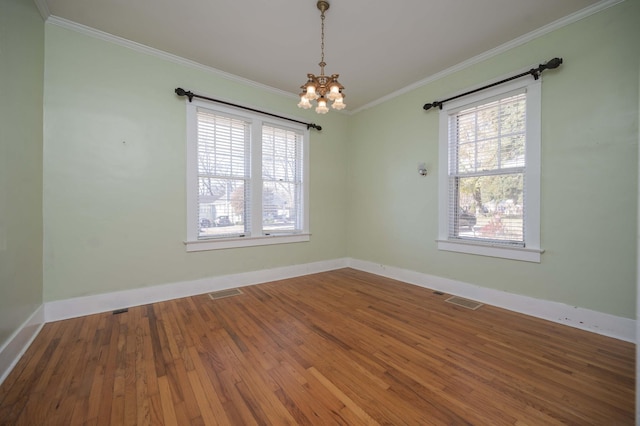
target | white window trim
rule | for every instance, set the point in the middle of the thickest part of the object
(192, 242)
(532, 251)
(226, 243)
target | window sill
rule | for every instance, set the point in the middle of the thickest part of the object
(513, 253)
(226, 243)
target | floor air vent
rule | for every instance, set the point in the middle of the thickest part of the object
(225, 293)
(465, 303)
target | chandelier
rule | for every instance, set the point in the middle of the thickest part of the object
(322, 88)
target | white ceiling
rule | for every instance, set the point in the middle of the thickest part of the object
(377, 47)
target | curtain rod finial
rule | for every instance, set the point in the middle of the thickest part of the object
(181, 92)
(434, 104)
(554, 63)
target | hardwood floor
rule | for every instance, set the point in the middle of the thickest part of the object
(342, 347)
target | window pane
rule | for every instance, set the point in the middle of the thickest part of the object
(512, 151)
(223, 168)
(489, 137)
(282, 180)
(222, 208)
(279, 208)
(467, 157)
(488, 120)
(488, 156)
(281, 154)
(222, 145)
(488, 208)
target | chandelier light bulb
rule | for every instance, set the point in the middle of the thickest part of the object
(304, 102)
(322, 106)
(338, 104)
(311, 92)
(334, 92)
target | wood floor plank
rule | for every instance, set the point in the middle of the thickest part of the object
(109, 351)
(342, 347)
(168, 410)
(348, 402)
(20, 384)
(208, 403)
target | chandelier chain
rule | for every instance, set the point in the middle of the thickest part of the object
(322, 63)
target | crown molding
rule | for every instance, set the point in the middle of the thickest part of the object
(569, 19)
(92, 32)
(138, 47)
(43, 8)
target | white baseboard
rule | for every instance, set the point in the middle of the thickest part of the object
(88, 305)
(17, 344)
(585, 319)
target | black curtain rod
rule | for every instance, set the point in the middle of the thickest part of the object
(181, 92)
(535, 72)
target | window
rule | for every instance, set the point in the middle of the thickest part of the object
(490, 173)
(246, 179)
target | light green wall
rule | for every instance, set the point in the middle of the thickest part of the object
(114, 172)
(21, 74)
(589, 171)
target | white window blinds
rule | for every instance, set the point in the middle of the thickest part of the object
(281, 180)
(223, 175)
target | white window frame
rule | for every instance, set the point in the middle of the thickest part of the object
(258, 238)
(531, 252)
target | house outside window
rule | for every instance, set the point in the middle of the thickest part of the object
(489, 181)
(247, 179)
